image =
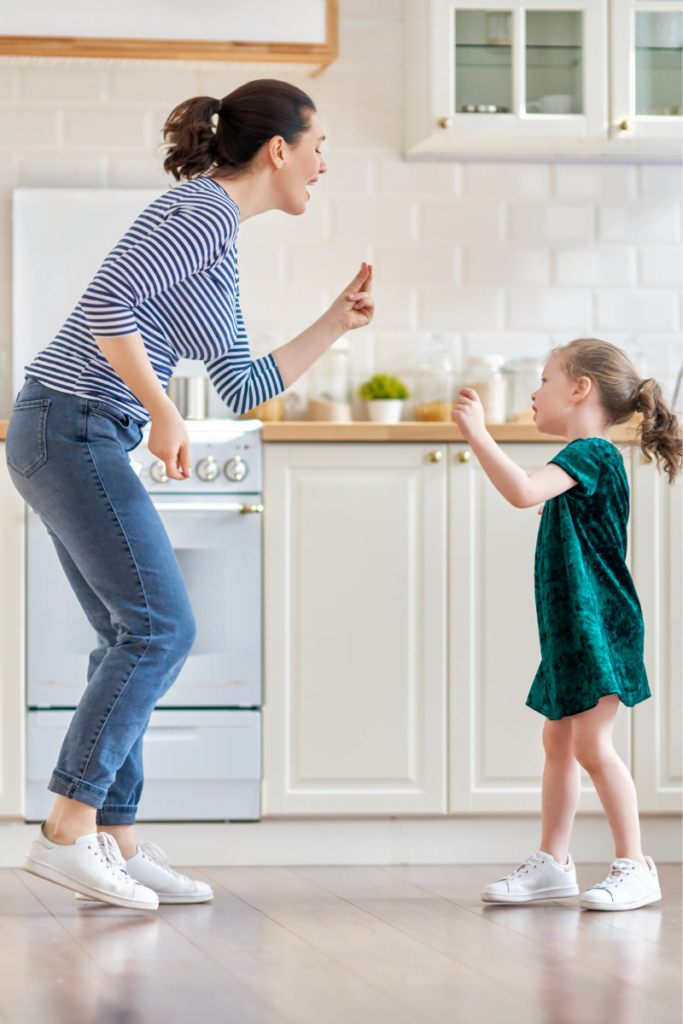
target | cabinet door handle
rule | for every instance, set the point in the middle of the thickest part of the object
(435, 456)
(464, 456)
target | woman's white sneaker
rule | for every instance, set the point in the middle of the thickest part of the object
(628, 886)
(150, 866)
(538, 878)
(93, 865)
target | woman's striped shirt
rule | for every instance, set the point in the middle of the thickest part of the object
(173, 277)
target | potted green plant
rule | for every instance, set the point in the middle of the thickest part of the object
(384, 396)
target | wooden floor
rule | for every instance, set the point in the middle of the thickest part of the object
(338, 945)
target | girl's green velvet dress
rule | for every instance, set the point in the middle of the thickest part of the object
(589, 617)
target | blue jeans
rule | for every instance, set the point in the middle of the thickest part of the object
(68, 458)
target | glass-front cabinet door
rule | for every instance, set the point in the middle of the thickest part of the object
(511, 69)
(509, 78)
(647, 68)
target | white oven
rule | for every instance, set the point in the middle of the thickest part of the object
(202, 753)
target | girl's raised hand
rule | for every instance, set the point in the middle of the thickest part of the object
(468, 413)
(356, 305)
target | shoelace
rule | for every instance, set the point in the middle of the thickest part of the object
(618, 871)
(152, 851)
(110, 854)
(533, 858)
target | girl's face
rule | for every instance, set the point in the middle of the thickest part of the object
(301, 167)
(551, 402)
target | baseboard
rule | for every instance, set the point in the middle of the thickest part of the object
(480, 840)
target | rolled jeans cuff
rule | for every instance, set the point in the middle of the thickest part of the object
(116, 815)
(76, 789)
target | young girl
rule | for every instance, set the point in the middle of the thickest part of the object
(589, 617)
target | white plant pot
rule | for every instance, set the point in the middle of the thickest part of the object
(385, 410)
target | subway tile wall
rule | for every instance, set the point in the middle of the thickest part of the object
(508, 258)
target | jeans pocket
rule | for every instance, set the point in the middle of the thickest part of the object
(26, 447)
(122, 419)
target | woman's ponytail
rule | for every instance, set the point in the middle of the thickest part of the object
(247, 118)
(191, 137)
(659, 431)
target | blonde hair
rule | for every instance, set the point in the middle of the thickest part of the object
(623, 393)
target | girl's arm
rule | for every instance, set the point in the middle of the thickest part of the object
(168, 438)
(353, 308)
(520, 489)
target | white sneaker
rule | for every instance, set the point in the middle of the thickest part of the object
(628, 886)
(150, 866)
(93, 865)
(538, 878)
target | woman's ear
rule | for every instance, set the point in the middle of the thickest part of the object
(276, 151)
(581, 389)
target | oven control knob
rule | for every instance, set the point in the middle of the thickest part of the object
(208, 469)
(236, 469)
(157, 471)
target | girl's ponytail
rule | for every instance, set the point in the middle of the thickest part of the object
(659, 432)
(623, 393)
(191, 138)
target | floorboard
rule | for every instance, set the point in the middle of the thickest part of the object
(338, 945)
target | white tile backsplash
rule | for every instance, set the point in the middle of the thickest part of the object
(596, 266)
(506, 257)
(646, 222)
(550, 222)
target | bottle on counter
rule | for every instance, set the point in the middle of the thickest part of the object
(484, 374)
(329, 397)
(433, 372)
(523, 377)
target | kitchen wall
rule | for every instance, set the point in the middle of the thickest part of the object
(508, 258)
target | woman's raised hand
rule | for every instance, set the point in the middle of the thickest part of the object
(169, 441)
(356, 305)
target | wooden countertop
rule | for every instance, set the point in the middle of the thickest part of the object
(426, 432)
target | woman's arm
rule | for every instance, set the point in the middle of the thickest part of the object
(355, 307)
(516, 486)
(168, 438)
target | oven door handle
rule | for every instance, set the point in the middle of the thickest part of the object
(205, 506)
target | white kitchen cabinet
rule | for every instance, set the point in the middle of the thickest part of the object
(647, 69)
(535, 79)
(496, 753)
(355, 629)
(12, 714)
(657, 564)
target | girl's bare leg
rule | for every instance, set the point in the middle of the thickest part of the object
(561, 788)
(593, 748)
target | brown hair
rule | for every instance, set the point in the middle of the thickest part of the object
(247, 118)
(623, 393)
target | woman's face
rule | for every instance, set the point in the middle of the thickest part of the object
(302, 165)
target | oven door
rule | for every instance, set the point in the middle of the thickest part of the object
(219, 551)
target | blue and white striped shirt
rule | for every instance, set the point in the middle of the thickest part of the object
(173, 277)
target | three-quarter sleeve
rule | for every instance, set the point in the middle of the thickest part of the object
(193, 236)
(581, 460)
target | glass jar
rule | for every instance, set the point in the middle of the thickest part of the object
(329, 396)
(433, 372)
(484, 374)
(523, 377)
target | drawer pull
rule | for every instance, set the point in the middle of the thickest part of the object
(464, 456)
(435, 456)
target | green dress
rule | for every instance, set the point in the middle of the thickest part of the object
(589, 617)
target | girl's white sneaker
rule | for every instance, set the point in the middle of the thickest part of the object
(538, 878)
(150, 866)
(93, 865)
(628, 886)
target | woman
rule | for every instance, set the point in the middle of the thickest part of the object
(168, 290)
